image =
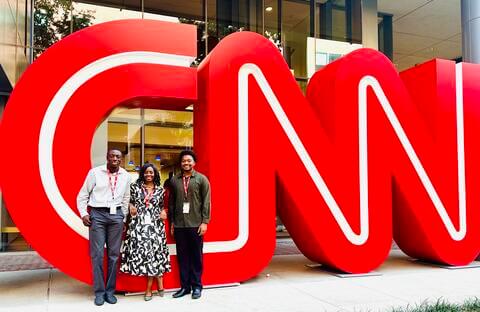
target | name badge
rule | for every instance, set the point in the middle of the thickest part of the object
(113, 209)
(186, 207)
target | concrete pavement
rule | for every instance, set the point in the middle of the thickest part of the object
(285, 285)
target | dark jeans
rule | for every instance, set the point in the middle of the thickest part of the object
(105, 228)
(190, 257)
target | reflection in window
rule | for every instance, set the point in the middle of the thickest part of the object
(101, 14)
(271, 30)
(191, 9)
(295, 30)
(124, 134)
(385, 34)
(338, 20)
(150, 136)
(53, 20)
(226, 17)
(180, 11)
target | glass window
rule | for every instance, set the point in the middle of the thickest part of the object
(339, 20)
(167, 133)
(8, 61)
(227, 16)
(14, 58)
(14, 37)
(8, 35)
(180, 11)
(150, 136)
(85, 14)
(10, 237)
(295, 30)
(125, 134)
(212, 32)
(52, 22)
(21, 25)
(385, 34)
(22, 61)
(272, 12)
(190, 9)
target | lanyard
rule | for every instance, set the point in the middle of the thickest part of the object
(114, 186)
(148, 196)
(186, 182)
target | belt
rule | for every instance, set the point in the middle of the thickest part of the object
(105, 208)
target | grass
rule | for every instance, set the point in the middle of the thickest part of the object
(441, 305)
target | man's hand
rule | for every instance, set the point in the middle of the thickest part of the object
(202, 229)
(133, 210)
(171, 230)
(86, 220)
(163, 215)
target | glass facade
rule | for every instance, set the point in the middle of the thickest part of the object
(15, 55)
(385, 34)
(150, 136)
(15, 37)
(157, 136)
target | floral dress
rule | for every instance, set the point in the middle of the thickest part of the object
(145, 251)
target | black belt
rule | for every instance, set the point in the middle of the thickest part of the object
(105, 208)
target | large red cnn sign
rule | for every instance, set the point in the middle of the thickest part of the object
(367, 153)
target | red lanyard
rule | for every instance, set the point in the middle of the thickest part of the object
(186, 182)
(114, 186)
(148, 196)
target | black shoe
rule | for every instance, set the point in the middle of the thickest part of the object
(111, 299)
(180, 293)
(99, 300)
(197, 293)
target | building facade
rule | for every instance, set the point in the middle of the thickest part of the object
(309, 34)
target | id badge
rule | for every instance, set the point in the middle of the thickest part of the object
(186, 207)
(148, 220)
(113, 209)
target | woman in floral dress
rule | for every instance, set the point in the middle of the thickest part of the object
(145, 251)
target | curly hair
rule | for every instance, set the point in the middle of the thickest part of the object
(187, 152)
(156, 174)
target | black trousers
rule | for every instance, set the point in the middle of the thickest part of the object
(190, 257)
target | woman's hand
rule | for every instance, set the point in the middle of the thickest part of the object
(133, 210)
(163, 215)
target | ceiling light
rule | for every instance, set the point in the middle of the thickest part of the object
(269, 9)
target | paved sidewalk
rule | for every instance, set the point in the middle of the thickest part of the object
(22, 260)
(285, 285)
